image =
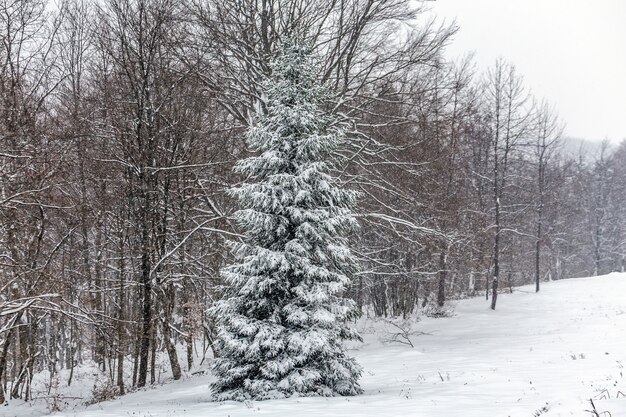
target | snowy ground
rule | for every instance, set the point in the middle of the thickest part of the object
(557, 349)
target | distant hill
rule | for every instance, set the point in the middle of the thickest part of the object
(573, 147)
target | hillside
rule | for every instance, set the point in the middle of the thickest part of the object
(557, 349)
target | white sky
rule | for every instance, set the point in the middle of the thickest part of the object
(570, 52)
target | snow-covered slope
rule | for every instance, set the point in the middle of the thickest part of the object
(556, 349)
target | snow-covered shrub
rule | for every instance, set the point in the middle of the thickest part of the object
(432, 309)
(103, 391)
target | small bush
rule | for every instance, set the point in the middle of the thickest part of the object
(432, 309)
(103, 392)
(56, 400)
(543, 410)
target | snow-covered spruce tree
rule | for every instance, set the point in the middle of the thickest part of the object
(283, 319)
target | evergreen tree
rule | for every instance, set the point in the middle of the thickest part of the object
(283, 319)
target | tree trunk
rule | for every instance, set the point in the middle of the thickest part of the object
(494, 293)
(167, 303)
(146, 322)
(4, 354)
(171, 351)
(153, 352)
(146, 332)
(597, 257)
(496, 258)
(441, 292)
(537, 255)
(121, 339)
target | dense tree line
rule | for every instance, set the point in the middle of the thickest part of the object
(121, 121)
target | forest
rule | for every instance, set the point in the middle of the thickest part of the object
(121, 122)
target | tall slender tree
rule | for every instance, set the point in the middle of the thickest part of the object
(283, 318)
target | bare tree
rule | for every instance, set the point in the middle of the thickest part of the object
(546, 144)
(509, 118)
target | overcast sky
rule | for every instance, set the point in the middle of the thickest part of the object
(570, 52)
